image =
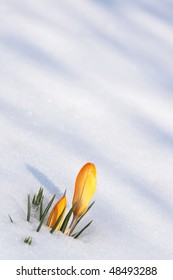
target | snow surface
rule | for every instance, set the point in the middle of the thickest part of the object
(87, 81)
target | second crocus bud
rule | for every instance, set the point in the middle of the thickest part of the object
(85, 187)
(56, 212)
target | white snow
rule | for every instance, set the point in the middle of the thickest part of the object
(88, 81)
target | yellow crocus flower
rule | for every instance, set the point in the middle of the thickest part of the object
(56, 212)
(85, 187)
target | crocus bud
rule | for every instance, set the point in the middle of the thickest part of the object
(85, 187)
(56, 212)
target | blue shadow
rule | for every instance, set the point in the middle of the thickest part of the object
(44, 180)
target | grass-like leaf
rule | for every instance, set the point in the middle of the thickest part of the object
(28, 240)
(82, 216)
(11, 220)
(73, 235)
(58, 221)
(79, 233)
(67, 218)
(41, 208)
(45, 213)
(34, 199)
(29, 209)
(39, 196)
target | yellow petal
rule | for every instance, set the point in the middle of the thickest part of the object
(85, 187)
(56, 212)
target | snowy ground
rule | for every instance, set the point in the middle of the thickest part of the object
(88, 81)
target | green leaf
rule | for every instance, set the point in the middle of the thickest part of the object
(58, 221)
(45, 213)
(34, 199)
(28, 240)
(79, 233)
(73, 235)
(10, 218)
(41, 208)
(29, 209)
(82, 216)
(39, 196)
(67, 218)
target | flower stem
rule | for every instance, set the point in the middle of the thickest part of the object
(69, 230)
